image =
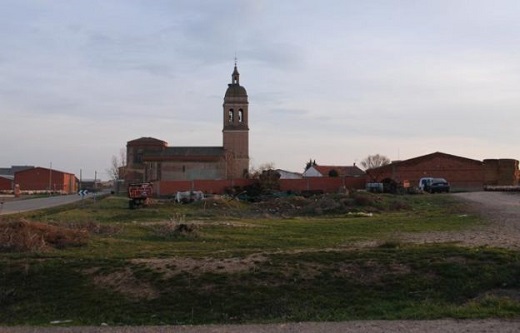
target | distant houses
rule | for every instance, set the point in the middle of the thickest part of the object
(284, 174)
(333, 171)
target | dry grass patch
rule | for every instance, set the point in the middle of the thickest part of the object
(26, 236)
(95, 228)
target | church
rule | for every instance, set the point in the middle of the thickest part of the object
(150, 159)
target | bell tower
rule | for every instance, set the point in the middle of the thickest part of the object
(236, 129)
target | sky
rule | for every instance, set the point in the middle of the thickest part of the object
(332, 81)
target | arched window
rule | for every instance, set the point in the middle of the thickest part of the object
(240, 115)
(231, 115)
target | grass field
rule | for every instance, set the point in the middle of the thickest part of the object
(220, 261)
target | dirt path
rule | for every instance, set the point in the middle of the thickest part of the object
(373, 326)
(501, 209)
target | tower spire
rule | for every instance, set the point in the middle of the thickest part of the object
(235, 77)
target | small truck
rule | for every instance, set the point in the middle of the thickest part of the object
(139, 194)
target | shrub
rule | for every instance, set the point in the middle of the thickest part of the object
(173, 230)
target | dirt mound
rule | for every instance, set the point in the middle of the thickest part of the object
(25, 236)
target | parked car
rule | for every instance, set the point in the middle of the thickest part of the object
(437, 185)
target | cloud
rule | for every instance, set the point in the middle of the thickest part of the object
(334, 81)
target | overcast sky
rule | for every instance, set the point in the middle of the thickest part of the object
(334, 81)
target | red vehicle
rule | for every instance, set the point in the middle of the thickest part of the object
(139, 194)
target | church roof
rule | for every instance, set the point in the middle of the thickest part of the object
(194, 151)
(147, 141)
(186, 154)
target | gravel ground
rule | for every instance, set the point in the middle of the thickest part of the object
(501, 209)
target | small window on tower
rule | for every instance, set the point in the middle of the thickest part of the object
(231, 115)
(138, 156)
(240, 115)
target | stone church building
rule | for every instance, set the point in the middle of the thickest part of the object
(150, 159)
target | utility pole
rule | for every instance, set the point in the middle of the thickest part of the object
(95, 185)
(50, 180)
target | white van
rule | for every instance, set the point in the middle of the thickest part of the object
(424, 181)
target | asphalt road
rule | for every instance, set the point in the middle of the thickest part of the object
(18, 206)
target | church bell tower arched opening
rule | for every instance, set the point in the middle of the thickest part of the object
(236, 129)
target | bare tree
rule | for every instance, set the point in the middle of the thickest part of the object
(267, 180)
(256, 172)
(310, 164)
(374, 161)
(118, 166)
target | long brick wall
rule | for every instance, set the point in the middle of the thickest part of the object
(169, 187)
(463, 174)
(325, 184)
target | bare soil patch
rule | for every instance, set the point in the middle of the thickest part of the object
(125, 283)
(172, 266)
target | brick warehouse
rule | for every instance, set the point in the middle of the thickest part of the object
(463, 173)
(6, 183)
(43, 179)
